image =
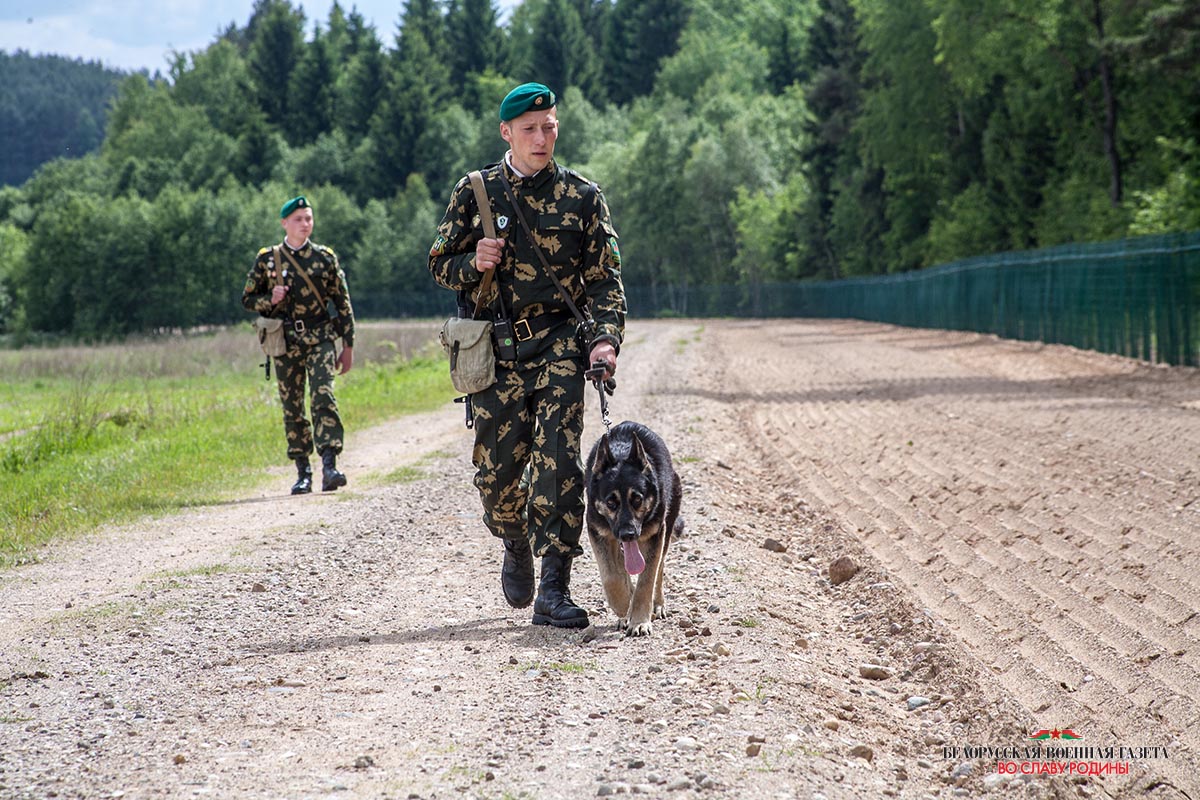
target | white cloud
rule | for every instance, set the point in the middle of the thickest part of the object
(140, 34)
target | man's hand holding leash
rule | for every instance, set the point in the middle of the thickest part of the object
(604, 353)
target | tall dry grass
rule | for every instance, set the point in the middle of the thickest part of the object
(201, 352)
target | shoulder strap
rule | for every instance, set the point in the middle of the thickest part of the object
(512, 198)
(489, 230)
(275, 278)
(303, 274)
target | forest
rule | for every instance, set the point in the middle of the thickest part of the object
(738, 142)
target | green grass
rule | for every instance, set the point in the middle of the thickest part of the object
(91, 436)
(409, 472)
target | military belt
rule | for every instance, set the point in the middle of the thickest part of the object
(526, 329)
(302, 324)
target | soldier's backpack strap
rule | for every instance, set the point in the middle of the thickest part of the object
(275, 276)
(489, 230)
(303, 274)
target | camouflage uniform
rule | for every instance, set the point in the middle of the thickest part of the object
(311, 353)
(529, 424)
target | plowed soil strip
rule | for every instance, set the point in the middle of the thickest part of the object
(1041, 500)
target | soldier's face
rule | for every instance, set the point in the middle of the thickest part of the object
(299, 225)
(531, 137)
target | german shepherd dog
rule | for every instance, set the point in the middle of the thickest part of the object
(632, 512)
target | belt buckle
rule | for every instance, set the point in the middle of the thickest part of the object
(298, 324)
(522, 336)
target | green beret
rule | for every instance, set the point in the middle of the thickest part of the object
(526, 97)
(292, 205)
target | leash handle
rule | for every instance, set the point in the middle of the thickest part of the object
(604, 387)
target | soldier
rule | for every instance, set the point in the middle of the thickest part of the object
(529, 424)
(301, 282)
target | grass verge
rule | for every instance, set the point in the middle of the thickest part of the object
(110, 445)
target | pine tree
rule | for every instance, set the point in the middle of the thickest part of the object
(417, 83)
(360, 87)
(276, 47)
(313, 84)
(566, 55)
(639, 35)
(474, 40)
(832, 92)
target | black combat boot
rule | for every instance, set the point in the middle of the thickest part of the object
(303, 484)
(516, 576)
(554, 605)
(330, 477)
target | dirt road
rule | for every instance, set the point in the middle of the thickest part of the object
(1025, 519)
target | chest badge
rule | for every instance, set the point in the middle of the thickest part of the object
(502, 222)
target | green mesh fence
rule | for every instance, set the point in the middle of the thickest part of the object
(1134, 297)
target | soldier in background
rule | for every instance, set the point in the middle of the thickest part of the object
(301, 282)
(529, 424)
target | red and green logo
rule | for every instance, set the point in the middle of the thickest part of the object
(1057, 733)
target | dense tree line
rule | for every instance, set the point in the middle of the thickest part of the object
(51, 107)
(738, 141)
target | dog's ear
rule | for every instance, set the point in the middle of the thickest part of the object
(637, 456)
(604, 455)
(642, 461)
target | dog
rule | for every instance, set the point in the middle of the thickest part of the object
(634, 496)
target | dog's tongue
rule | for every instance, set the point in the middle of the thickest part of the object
(634, 563)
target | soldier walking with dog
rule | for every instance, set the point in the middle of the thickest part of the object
(555, 240)
(302, 283)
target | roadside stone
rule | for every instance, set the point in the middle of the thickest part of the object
(774, 545)
(916, 701)
(994, 781)
(753, 749)
(832, 724)
(842, 569)
(874, 672)
(863, 752)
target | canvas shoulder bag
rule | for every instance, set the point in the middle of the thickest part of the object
(270, 335)
(467, 340)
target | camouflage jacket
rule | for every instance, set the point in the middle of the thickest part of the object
(570, 220)
(321, 264)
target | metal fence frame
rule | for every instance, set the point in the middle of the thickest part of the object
(1135, 297)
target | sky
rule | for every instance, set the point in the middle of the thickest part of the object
(141, 34)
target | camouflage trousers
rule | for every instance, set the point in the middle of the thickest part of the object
(528, 432)
(316, 366)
